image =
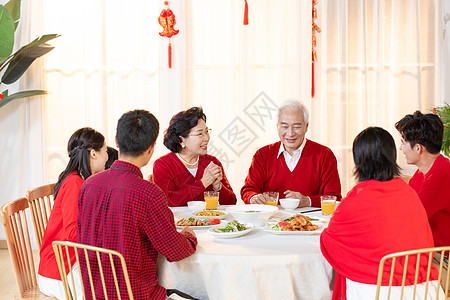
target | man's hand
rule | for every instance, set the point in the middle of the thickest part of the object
(188, 229)
(304, 200)
(258, 199)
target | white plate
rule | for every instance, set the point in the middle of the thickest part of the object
(228, 235)
(201, 227)
(213, 217)
(317, 231)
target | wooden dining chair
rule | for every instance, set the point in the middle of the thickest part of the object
(41, 201)
(14, 219)
(94, 258)
(415, 255)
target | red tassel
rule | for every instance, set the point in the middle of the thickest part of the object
(312, 81)
(170, 55)
(246, 13)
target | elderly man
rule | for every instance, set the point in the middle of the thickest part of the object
(421, 144)
(294, 167)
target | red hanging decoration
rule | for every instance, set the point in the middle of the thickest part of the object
(167, 20)
(314, 44)
(246, 13)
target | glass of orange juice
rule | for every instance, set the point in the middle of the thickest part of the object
(211, 199)
(272, 198)
(328, 203)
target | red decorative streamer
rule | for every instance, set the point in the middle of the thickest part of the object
(167, 20)
(313, 89)
(314, 44)
(170, 55)
(246, 13)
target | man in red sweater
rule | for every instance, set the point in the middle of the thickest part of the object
(421, 144)
(294, 167)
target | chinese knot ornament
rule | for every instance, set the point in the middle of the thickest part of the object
(167, 20)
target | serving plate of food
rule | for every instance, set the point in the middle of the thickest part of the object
(297, 224)
(208, 214)
(195, 223)
(231, 230)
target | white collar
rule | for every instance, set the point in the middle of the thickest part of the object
(299, 149)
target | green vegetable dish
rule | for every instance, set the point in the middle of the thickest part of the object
(233, 226)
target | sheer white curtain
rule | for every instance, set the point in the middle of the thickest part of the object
(21, 159)
(114, 60)
(378, 60)
(240, 74)
(105, 63)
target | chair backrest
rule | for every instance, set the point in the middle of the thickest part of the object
(415, 257)
(92, 258)
(18, 238)
(41, 201)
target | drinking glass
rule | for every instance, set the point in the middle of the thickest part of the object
(272, 198)
(211, 199)
(328, 203)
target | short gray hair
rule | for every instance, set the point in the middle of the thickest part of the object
(295, 106)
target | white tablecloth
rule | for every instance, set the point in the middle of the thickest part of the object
(259, 265)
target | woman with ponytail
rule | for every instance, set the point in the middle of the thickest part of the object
(87, 155)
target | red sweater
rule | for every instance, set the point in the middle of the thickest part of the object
(316, 173)
(180, 186)
(434, 192)
(376, 218)
(62, 225)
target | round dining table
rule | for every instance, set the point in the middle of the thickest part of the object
(258, 265)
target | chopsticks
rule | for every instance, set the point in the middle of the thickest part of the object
(312, 210)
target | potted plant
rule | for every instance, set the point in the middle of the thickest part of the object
(444, 113)
(13, 65)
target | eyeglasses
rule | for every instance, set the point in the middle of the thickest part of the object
(202, 134)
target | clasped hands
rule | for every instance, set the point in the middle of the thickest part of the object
(212, 175)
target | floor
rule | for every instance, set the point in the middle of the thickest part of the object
(8, 287)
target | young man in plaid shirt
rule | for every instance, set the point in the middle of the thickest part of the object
(120, 210)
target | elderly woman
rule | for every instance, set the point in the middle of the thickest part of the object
(379, 216)
(186, 172)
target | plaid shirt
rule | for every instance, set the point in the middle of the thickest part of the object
(119, 210)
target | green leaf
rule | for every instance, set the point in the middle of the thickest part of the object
(20, 95)
(13, 6)
(444, 113)
(23, 58)
(6, 34)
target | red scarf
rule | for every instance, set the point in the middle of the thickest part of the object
(375, 219)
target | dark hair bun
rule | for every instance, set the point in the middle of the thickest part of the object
(180, 125)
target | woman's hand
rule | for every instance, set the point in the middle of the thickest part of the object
(211, 174)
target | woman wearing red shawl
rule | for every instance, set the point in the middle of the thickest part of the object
(379, 216)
